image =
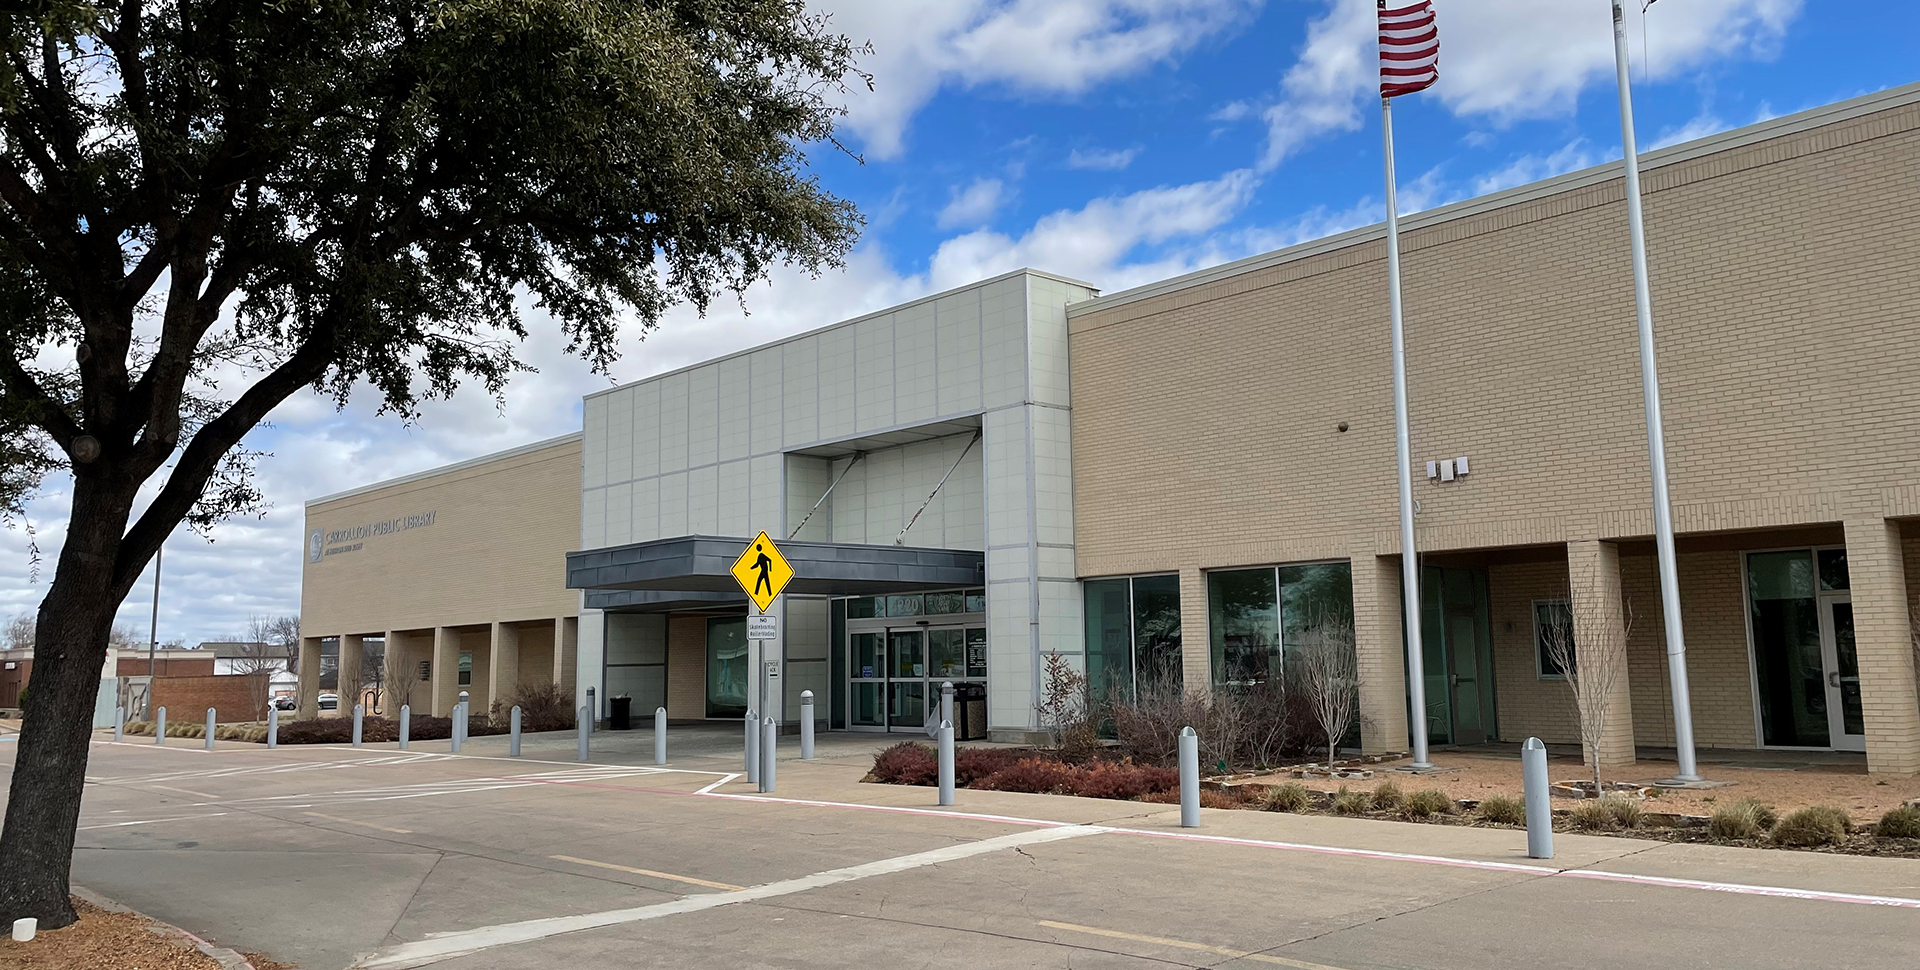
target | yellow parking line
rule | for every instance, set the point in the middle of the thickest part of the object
(1186, 945)
(648, 872)
(348, 821)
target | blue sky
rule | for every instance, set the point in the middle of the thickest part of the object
(1118, 141)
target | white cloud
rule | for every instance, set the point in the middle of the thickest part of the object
(1571, 157)
(974, 204)
(1102, 160)
(1700, 126)
(1050, 48)
(1507, 60)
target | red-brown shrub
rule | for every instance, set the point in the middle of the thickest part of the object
(1032, 775)
(1123, 780)
(907, 763)
(972, 765)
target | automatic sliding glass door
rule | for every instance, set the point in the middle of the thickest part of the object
(906, 680)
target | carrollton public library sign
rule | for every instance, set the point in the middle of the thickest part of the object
(323, 543)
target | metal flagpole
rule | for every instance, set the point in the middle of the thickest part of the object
(1403, 451)
(1656, 436)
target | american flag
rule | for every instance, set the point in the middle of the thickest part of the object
(1409, 48)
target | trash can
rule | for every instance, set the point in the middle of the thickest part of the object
(620, 714)
(970, 711)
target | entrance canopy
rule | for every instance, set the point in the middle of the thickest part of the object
(692, 572)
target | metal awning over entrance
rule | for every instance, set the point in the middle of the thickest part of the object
(692, 572)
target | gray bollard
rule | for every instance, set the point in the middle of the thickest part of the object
(119, 723)
(946, 762)
(406, 725)
(160, 726)
(659, 735)
(210, 728)
(753, 745)
(806, 725)
(593, 710)
(581, 721)
(946, 701)
(461, 720)
(1189, 779)
(513, 742)
(359, 719)
(1533, 777)
(453, 732)
(769, 747)
(273, 728)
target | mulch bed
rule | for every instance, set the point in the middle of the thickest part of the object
(104, 941)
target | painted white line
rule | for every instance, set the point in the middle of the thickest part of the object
(655, 873)
(1168, 941)
(1745, 889)
(443, 946)
(182, 791)
(148, 821)
(708, 790)
(1431, 860)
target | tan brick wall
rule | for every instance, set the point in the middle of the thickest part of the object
(1786, 318)
(686, 667)
(1527, 705)
(496, 550)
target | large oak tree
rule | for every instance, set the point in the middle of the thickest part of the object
(207, 206)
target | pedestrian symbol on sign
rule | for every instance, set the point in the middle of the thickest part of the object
(762, 572)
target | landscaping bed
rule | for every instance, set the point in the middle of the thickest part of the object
(1729, 818)
(103, 940)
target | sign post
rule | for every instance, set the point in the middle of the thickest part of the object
(763, 573)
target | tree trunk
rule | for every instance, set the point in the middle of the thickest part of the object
(50, 767)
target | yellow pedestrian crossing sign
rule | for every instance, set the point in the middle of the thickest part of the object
(762, 571)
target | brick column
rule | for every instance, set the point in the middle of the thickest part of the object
(1196, 644)
(1381, 654)
(566, 646)
(504, 673)
(1600, 643)
(308, 690)
(352, 654)
(446, 671)
(1883, 640)
(399, 672)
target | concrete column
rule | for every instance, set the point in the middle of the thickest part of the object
(1380, 651)
(308, 689)
(352, 653)
(1883, 640)
(566, 650)
(446, 671)
(503, 674)
(398, 674)
(1600, 638)
(1196, 644)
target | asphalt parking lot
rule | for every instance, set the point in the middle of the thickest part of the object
(375, 858)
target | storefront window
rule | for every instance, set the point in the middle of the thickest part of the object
(903, 605)
(727, 667)
(1156, 629)
(1243, 614)
(866, 607)
(1256, 616)
(938, 603)
(976, 601)
(1109, 620)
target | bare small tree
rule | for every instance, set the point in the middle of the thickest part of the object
(1326, 671)
(1066, 709)
(266, 651)
(400, 681)
(19, 632)
(1591, 673)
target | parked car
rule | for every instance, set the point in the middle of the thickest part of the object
(285, 703)
(329, 702)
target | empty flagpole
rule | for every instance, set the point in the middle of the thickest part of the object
(1656, 436)
(1403, 452)
(1409, 62)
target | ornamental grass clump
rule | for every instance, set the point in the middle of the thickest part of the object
(1812, 826)
(1290, 797)
(1503, 810)
(1428, 802)
(1591, 815)
(1387, 796)
(1740, 820)
(1347, 802)
(1899, 823)
(1625, 812)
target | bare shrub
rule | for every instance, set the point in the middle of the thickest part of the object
(1067, 712)
(543, 707)
(1328, 676)
(1242, 727)
(1591, 672)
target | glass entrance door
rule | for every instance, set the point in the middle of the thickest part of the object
(1845, 721)
(906, 680)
